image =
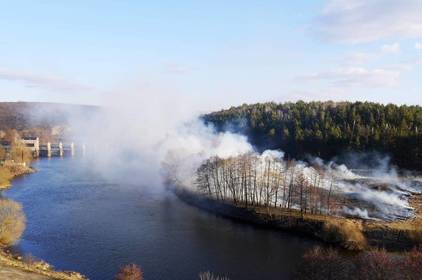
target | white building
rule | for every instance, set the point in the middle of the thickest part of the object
(32, 143)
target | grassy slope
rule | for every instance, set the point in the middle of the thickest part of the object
(14, 268)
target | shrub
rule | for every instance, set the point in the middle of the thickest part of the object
(377, 265)
(5, 176)
(411, 267)
(209, 276)
(322, 264)
(130, 272)
(346, 232)
(12, 222)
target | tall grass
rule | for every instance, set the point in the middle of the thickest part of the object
(12, 222)
(209, 276)
(346, 232)
(5, 176)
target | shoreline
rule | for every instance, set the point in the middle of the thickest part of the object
(33, 268)
(14, 172)
(352, 234)
(15, 265)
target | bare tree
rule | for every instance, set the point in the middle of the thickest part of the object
(130, 272)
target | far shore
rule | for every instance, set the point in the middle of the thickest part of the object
(352, 234)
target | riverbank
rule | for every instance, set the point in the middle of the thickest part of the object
(8, 172)
(353, 234)
(14, 266)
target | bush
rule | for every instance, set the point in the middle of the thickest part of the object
(319, 264)
(5, 176)
(12, 222)
(411, 267)
(130, 272)
(322, 264)
(377, 265)
(346, 232)
(209, 276)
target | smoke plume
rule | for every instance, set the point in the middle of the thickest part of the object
(141, 136)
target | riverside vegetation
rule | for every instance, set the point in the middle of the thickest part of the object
(15, 162)
(287, 195)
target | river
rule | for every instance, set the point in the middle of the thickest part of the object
(78, 220)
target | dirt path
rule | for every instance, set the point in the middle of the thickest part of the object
(12, 267)
(12, 273)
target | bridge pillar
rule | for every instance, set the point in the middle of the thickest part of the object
(60, 149)
(72, 149)
(48, 149)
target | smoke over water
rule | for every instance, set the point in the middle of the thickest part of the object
(130, 138)
(144, 138)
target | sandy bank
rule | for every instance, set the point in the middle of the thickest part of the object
(13, 267)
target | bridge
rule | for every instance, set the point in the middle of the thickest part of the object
(49, 149)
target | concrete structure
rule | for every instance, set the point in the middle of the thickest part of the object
(48, 149)
(69, 149)
(32, 143)
(45, 150)
(56, 149)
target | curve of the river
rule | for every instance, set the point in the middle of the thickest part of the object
(77, 220)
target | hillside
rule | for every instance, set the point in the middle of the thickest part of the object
(329, 129)
(46, 120)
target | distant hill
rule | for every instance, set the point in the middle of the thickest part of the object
(329, 129)
(46, 120)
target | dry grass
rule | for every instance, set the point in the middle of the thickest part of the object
(7, 173)
(209, 276)
(5, 177)
(346, 232)
(411, 228)
(37, 267)
(12, 222)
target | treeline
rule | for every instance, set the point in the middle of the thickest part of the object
(328, 129)
(269, 181)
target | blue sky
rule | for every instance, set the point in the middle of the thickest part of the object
(216, 52)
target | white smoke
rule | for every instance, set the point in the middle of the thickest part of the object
(133, 136)
(383, 192)
(356, 212)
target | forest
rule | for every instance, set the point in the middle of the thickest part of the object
(329, 129)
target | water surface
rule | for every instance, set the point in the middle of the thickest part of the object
(78, 220)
